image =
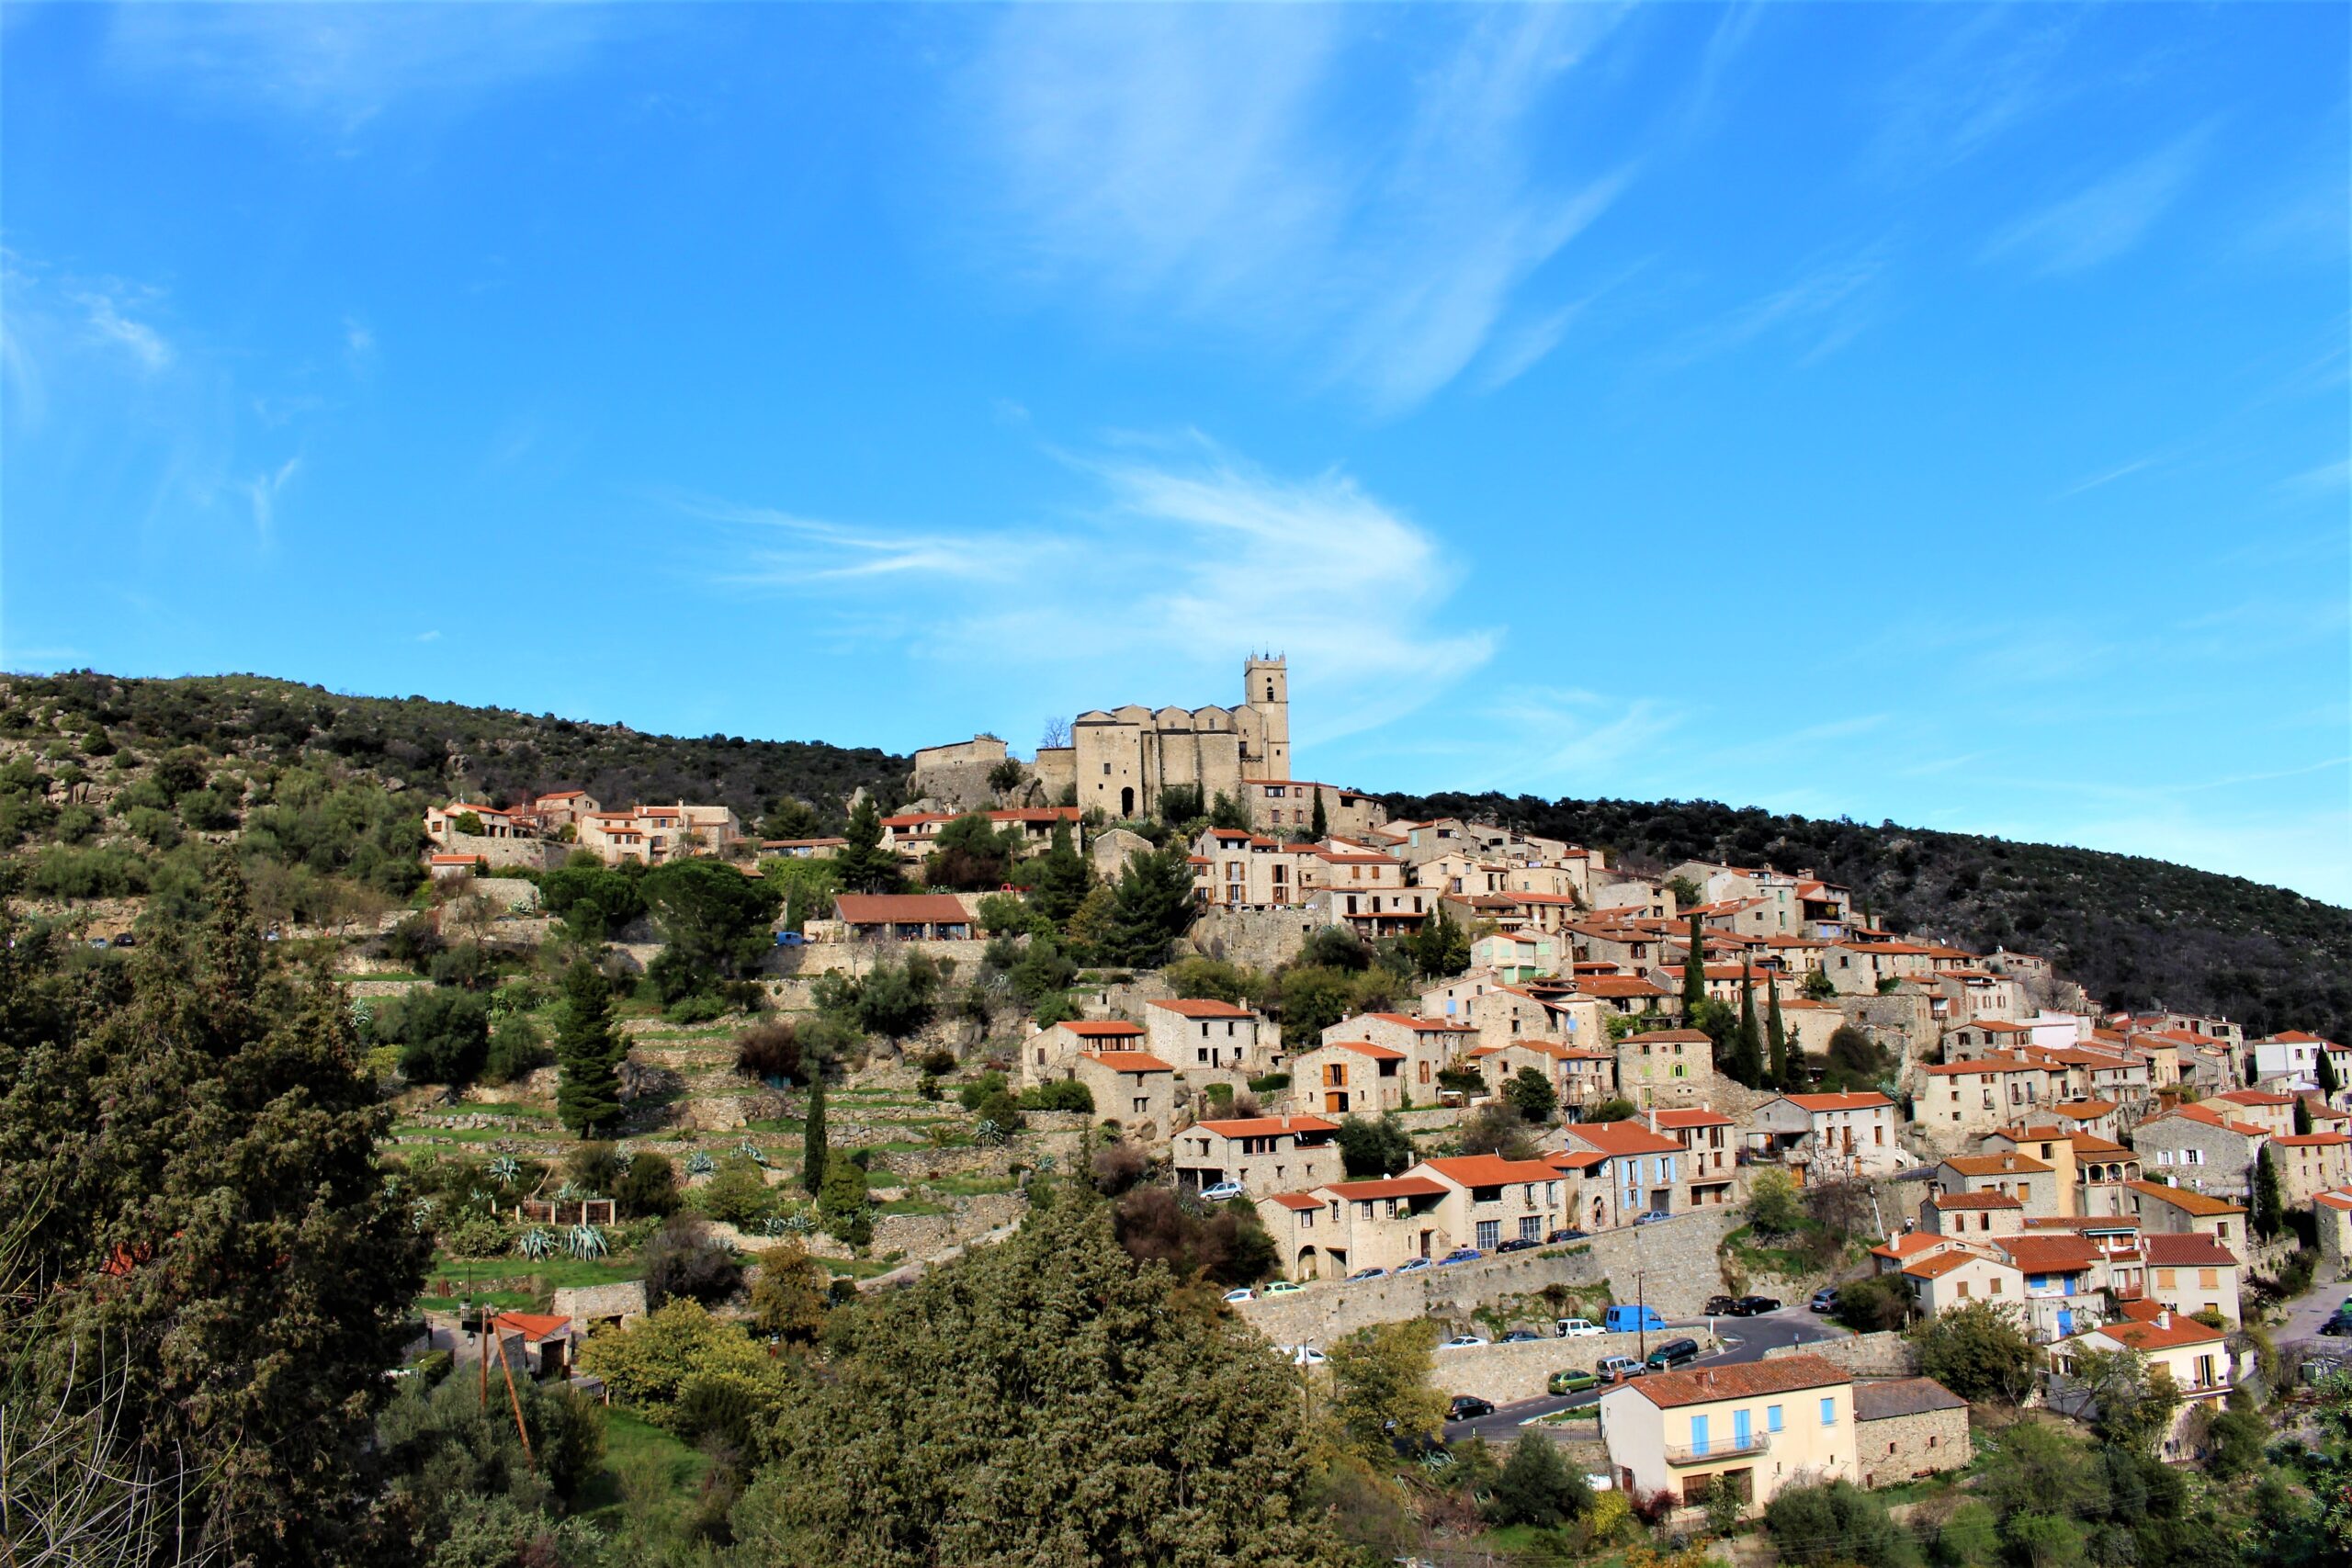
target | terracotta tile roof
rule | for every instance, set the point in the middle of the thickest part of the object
(2312, 1140)
(2192, 1251)
(2059, 1254)
(1393, 1187)
(1203, 1006)
(1943, 1263)
(1269, 1126)
(1972, 1200)
(1700, 1118)
(1363, 1048)
(2180, 1332)
(2084, 1109)
(1744, 1380)
(1618, 985)
(1296, 1200)
(1490, 1171)
(2189, 1203)
(532, 1325)
(1669, 1037)
(1423, 1025)
(1128, 1061)
(2334, 1198)
(2255, 1096)
(895, 909)
(1997, 1165)
(1100, 1028)
(1629, 1137)
(1867, 1100)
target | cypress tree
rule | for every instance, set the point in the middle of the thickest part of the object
(2269, 1202)
(1785, 1072)
(1694, 976)
(813, 1151)
(2302, 1117)
(2328, 1081)
(1319, 823)
(1748, 1053)
(588, 1052)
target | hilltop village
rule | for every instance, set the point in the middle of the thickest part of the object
(1594, 1202)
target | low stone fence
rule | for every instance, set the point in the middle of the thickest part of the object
(536, 855)
(1508, 1372)
(1672, 1264)
(1882, 1355)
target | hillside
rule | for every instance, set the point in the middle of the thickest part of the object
(436, 747)
(2135, 932)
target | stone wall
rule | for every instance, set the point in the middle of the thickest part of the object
(1508, 1372)
(593, 1304)
(1884, 1355)
(536, 855)
(514, 895)
(1896, 1449)
(1673, 1264)
(1260, 939)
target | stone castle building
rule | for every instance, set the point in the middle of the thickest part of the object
(1122, 759)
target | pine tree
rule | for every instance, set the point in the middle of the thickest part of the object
(588, 1052)
(863, 863)
(1154, 907)
(1694, 976)
(813, 1148)
(1748, 1058)
(1063, 878)
(1784, 1069)
(1319, 823)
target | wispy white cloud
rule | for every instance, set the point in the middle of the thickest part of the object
(110, 321)
(2328, 479)
(2108, 476)
(1181, 554)
(1195, 160)
(262, 491)
(1820, 311)
(2105, 220)
(341, 67)
(428, 637)
(1989, 72)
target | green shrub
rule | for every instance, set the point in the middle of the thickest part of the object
(516, 1048)
(1066, 1094)
(739, 1194)
(1271, 1083)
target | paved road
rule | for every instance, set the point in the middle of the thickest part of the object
(2308, 1311)
(1745, 1339)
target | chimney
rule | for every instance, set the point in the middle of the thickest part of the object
(1653, 1115)
(2164, 1318)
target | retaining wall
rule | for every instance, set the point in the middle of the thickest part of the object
(1508, 1372)
(1675, 1261)
(1882, 1355)
(1260, 939)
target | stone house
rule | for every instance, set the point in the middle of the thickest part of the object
(558, 809)
(1235, 869)
(1046, 1055)
(2062, 1272)
(1628, 1168)
(2333, 1211)
(659, 834)
(2272, 1111)
(1828, 1137)
(1348, 1078)
(1665, 1067)
(1123, 758)
(1979, 995)
(1134, 1089)
(1264, 1154)
(2311, 1163)
(2201, 1147)
(1908, 1427)
(1709, 1152)
(1958, 1102)
(1342, 1226)
(1490, 1200)
(1518, 955)
(1977, 1216)
(1202, 1036)
(2104, 1172)
(901, 917)
(2175, 1210)
(1856, 966)
(1753, 1426)
(2034, 1184)
(1430, 1044)
(2052, 1147)
(2198, 1359)
(2190, 1274)
(1951, 1277)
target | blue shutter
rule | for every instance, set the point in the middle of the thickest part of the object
(1697, 1434)
(1771, 1417)
(1739, 1430)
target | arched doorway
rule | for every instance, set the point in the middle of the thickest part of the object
(1309, 1266)
(1127, 801)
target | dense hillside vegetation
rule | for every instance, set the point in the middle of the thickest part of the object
(2135, 932)
(435, 746)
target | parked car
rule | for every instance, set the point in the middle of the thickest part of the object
(1467, 1406)
(1516, 1244)
(1461, 1255)
(1222, 1193)
(1576, 1329)
(790, 938)
(1630, 1319)
(1521, 1337)
(124, 939)
(1240, 1293)
(1369, 1274)
(1823, 1300)
(1653, 1217)
(1722, 1306)
(1617, 1368)
(1672, 1354)
(1569, 1233)
(1414, 1265)
(1755, 1307)
(1285, 1288)
(1464, 1342)
(1571, 1379)
(2336, 1325)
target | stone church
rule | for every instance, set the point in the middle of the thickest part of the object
(1121, 759)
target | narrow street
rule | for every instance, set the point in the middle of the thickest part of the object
(1745, 1339)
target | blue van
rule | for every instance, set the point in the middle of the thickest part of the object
(1630, 1320)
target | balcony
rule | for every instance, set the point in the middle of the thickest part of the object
(1710, 1450)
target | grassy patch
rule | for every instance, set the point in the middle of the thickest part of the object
(1813, 1249)
(647, 1471)
(971, 1185)
(792, 1124)
(502, 1301)
(910, 1206)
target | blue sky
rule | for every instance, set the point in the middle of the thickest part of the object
(1936, 414)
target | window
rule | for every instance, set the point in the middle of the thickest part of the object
(1530, 1228)
(1490, 1232)
(1829, 1412)
(1771, 1417)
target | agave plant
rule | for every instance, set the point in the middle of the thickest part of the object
(506, 1170)
(799, 1224)
(985, 1130)
(751, 1151)
(624, 1156)
(421, 1212)
(536, 1243)
(362, 1014)
(1046, 1164)
(572, 1192)
(585, 1240)
(1438, 1462)
(700, 1163)
(775, 1224)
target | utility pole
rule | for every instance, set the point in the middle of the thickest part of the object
(1641, 1317)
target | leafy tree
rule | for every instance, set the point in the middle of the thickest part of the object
(1441, 948)
(588, 1052)
(714, 923)
(865, 863)
(842, 1206)
(1819, 987)
(1314, 999)
(896, 1000)
(1380, 1387)
(648, 1185)
(460, 1477)
(1774, 1207)
(1855, 1061)
(790, 1297)
(814, 1150)
(1782, 1070)
(188, 1148)
(1005, 777)
(1091, 924)
(2269, 1207)
(1531, 1094)
(2132, 1402)
(1837, 1522)
(1335, 947)
(1497, 1129)
(1003, 914)
(516, 1049)
(975, 1416)
(650, 1363)
(1370, 1149)
(1227, 1245)
(791, 818)
(682, 1260)
(2236, 1439)
(971, 854)
(1873, 1305)
(1695, 970)
(1228, 813)
(1536, 1486)
(1214, 979)
(1154, 907)
(1062, 1094)
(442, 1035)
(1977, 1350)
(738, 1193)
(1611, 1110)
(770, 1051)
